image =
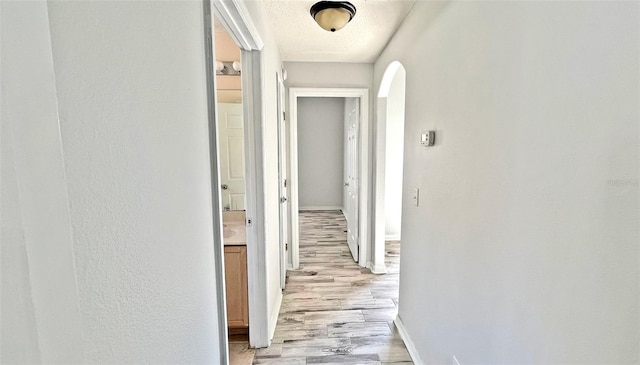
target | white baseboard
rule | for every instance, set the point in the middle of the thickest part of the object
(377, 269)
(392, 237)
(411, 347)
(273, 321)
(319, 207)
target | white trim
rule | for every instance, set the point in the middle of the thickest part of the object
(216, 195)
(364, 175)
(238, 23)
(275, 312)
(411, 347)
(392, 237)
(283, 207)
(322, 207)
(293, 180)
(235, 17)
(378, 270)
(255, 197)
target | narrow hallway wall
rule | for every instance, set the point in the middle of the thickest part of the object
(123, 227)
(524, 248)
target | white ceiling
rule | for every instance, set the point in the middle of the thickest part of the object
(299, 38)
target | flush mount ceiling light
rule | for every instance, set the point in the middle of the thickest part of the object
(333, 15)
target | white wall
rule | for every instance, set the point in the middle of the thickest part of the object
(524, 248)
(116, 207)
(394, 147)
(320, 152)
(41, 321)
(329, 74)
(19, 333)
(271, 64)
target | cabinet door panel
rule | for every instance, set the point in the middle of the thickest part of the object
(235, 259)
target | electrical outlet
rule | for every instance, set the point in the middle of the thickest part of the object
(416, 196)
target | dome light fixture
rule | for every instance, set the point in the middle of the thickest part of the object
(332, 15)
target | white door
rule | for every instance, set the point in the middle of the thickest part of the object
(231, 156)
(352, 115)
(282, 178)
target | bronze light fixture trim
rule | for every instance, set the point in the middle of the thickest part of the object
(332, 15)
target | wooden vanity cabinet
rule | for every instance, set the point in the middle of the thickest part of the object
(235, 267)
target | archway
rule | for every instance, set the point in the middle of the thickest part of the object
(389, 161)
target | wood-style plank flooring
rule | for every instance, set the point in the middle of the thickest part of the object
(333, 311)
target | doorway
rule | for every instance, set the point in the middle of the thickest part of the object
(236, 21)
(230, 129)
(389, 162)
(355, 186)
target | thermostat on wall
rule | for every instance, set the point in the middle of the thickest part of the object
(428, 138)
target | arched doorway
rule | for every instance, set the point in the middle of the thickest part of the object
(389, 161)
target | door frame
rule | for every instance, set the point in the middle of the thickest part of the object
(364, 161)
(236, 19)
(282, 178)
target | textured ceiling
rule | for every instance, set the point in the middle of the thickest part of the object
(299, 38)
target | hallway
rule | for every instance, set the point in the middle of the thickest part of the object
(333, 311)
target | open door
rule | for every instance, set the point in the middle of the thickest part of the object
(231, 156)
(351, 193)
(282, 183)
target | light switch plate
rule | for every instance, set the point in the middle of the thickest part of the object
(416, 196)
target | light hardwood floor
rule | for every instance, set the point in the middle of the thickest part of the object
(333, 311)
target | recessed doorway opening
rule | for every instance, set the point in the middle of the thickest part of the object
(350, 189)
(389, 162)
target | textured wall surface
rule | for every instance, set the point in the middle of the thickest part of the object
(320, 151)
(133, 110)
(108, 152)
(39, 309)
(524, 248)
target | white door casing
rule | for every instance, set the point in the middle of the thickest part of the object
(232, 169)
(235, 17)
(282, 183)
(352, 115)
(363, 204)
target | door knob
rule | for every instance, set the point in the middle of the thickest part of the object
(283, 199)
(346, 184)
(225, 186)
